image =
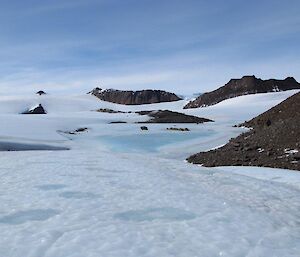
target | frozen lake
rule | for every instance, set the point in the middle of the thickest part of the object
(151, 142)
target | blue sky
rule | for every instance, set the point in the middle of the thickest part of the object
(184, 46)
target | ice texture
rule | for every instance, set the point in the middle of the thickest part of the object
(140, 205)
(94, 200)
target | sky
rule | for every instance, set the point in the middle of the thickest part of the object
(183, 46)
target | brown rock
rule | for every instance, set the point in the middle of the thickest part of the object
(265, 145)
(134, 97)
(244, 86)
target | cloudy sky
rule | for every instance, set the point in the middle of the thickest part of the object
(184, 46)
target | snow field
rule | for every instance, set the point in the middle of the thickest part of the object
(92, 201)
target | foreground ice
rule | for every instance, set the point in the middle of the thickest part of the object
(81, 203)
(141, 198)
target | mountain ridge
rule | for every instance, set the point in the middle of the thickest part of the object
(129, 97)
(244, 86)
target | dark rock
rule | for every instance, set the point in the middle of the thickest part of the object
(74, 132)
(178, 129)
(41, 92)
(167, 116)
(266, 146)
(106, 110)
(296, 156)
(144, 112)
(235, 144)
(117, 122)
(244, 86)
(37, 110)
(144, 128)
(81, 130)
(134, 97)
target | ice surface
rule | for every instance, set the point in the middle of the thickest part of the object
(48, 187)
(145, 206)
(149, 142)
(77, 195)
(30, 215)
(150, 214)
(95, 201)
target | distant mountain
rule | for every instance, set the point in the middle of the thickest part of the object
(134, 97)
(244, 86)
(274, 141)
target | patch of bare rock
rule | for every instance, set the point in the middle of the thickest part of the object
(166, 116)
(178, 129)
(41, 92)
(118, 122)
(106, 110)
(75, 132)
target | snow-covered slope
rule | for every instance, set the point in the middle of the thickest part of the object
(243, 108)
(53, 104)
(67, 104)
(70, 112)
(97, 200)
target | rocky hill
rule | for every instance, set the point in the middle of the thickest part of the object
(244, 86)
(134, 97)
(36, 110)
(166, 116)
(273, 141)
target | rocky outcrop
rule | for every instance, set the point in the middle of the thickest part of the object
(166, 116)
(74, 132)
(273, 141)
(134, 97)
(179, 129)
(41, 92)
(107, 110)
(244, 86)
(36, 110)
(118, 122)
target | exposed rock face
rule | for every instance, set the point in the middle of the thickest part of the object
(167, 116)
(134, 97)
(274, 141)
(244, 86)
(37, 110)
(41, 92)
(179, 129)
(106, 110)
(118, 122)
